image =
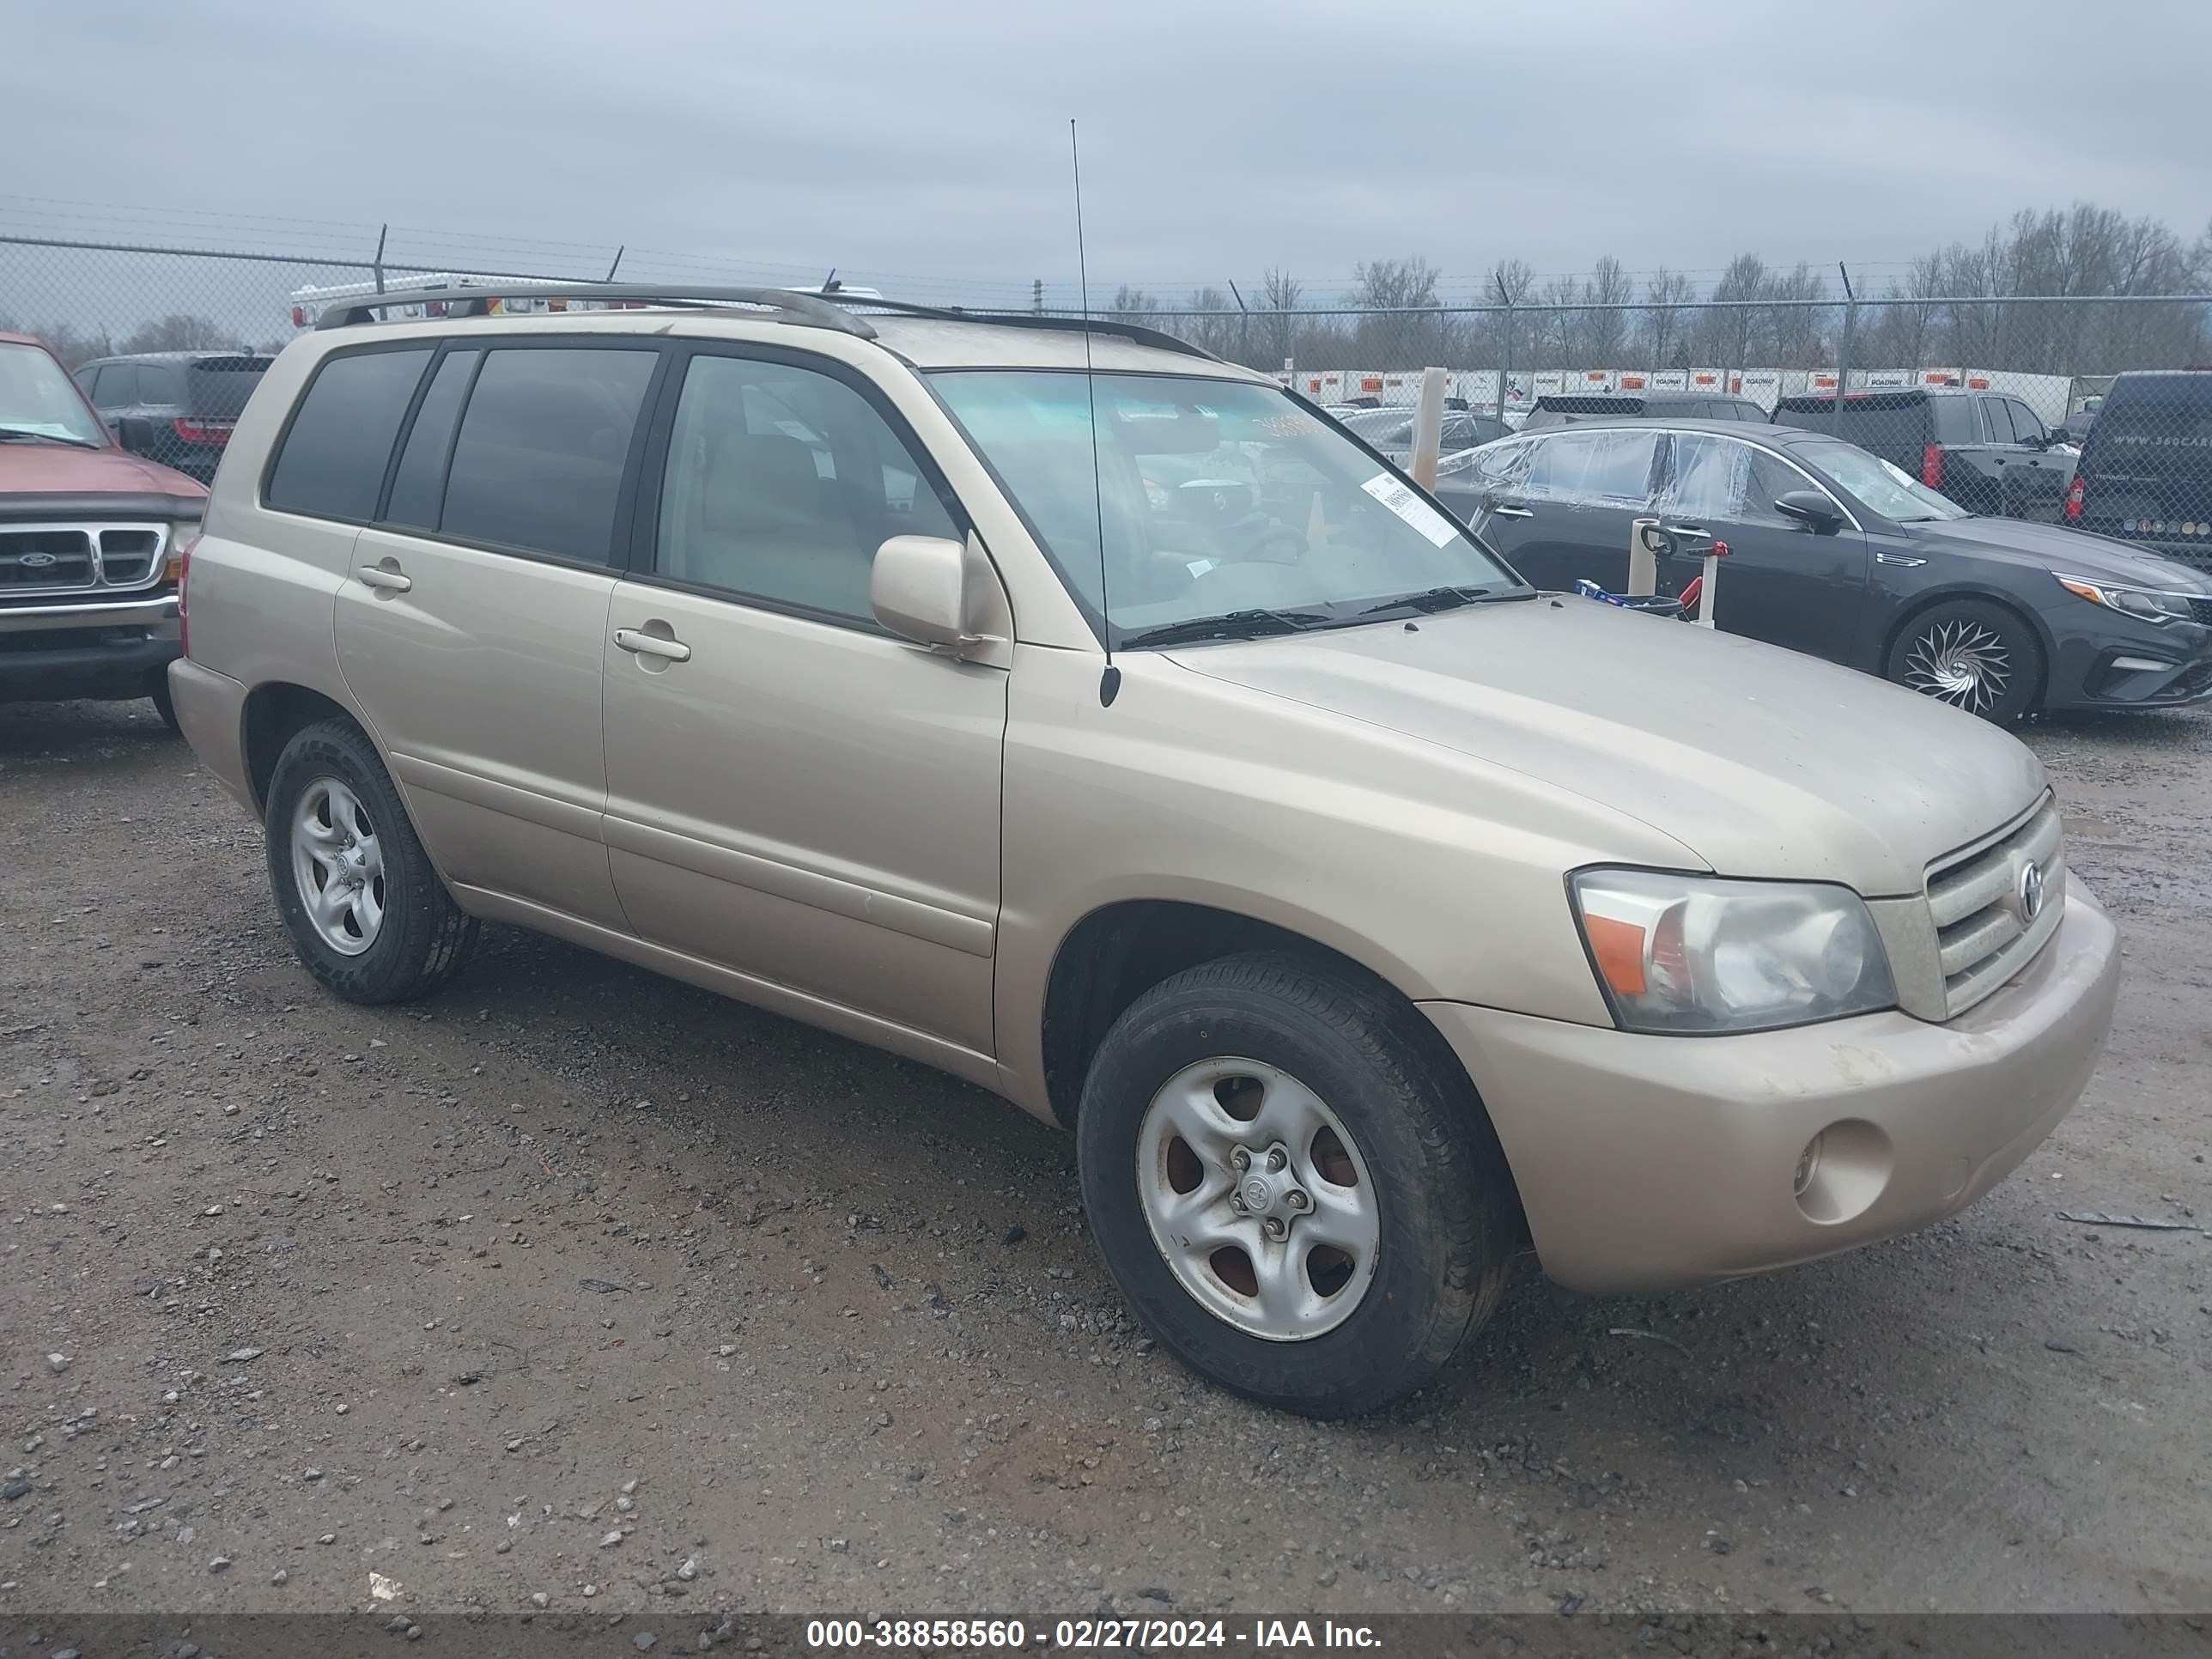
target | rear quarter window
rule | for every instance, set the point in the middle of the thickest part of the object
(333, 460)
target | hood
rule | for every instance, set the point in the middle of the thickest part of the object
(35, 468)
(2053, 547)
(1762, 761)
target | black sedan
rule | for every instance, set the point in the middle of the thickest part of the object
(1837, 553)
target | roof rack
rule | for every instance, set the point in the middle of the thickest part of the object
(802, 308)
(1132, 331)
(808, 309)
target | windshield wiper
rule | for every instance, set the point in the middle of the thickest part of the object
(1431, 599)
(1230, 625)
(20, 434)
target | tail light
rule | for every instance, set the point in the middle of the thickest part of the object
(1932, 466)
(181, 562)
(2076, 492)
(195, 432)
(299, 316)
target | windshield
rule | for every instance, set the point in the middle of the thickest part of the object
(37, 397)
(1883, 486)
(1216, 497)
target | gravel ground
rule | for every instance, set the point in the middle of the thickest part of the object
(576, 1287)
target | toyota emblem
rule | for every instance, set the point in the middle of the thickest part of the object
(2031, 890)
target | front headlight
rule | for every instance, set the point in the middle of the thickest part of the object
(2134, 601)
(1696, 954)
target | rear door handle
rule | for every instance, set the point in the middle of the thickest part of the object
(1512, 513)
(652, 645)
(384, 580)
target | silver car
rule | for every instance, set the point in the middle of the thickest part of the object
(1087, 717)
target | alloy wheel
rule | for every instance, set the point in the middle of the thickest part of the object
(1960, 662)
(339, 863)
(1258, 1198)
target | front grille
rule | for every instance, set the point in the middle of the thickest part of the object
(1983, 932)
(41, 559)
(2201, 611)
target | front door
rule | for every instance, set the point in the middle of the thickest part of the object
(793, 794)
(1782, 582)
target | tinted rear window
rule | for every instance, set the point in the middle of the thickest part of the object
(538, 463)
(2159, 427)
(1889, 426)
(332, 463)
(418, 488)
(161, 383)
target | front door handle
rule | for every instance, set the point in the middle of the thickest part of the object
(385, 579)
(1512, 513)
(1695, 531)
(1897, 558)
(652, 645)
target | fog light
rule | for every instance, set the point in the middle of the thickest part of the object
(2138, 665)
(1808, 1165)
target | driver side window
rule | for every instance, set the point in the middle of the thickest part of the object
(782, 482)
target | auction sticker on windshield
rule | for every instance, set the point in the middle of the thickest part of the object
(1396, 495)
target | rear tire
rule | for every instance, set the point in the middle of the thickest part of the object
(1398, 1138)
(368, 913)
(1974, 654)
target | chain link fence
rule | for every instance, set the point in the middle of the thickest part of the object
(1993, 400)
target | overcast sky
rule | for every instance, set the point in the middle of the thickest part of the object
(929, 143)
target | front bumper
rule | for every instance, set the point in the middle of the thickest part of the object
(2109, 661)
(102, 649)
(1646, 1162)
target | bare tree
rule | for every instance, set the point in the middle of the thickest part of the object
(1133, 305)
(1796, 328)
(1726, 336)
(180, 332)
(1604, 325)
(1281, 293)
(1663, 340)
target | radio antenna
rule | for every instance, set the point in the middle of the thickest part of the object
(1110, 682)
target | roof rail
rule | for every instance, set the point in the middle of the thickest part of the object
(1132, 331)
(803, 308)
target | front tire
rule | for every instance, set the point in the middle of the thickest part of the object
(1293, 1184)
(367, 913)
(1974, 654)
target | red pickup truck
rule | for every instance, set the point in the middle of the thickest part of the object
(92, 539)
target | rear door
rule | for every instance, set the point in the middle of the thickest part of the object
(2146, 467)
(1782, 582)
(473, 624)
(1569, 515)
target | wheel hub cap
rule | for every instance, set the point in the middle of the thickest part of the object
(1258, 1200)
(337, 862)
(1961, 663)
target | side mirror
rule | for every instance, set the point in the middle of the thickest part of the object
(1810, 508)
(136, 434)
(918, 589)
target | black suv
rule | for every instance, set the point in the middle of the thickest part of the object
(1563, 408)
(1987, 451)
(2145, 475)
(174, 407)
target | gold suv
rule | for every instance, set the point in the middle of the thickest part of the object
(1102, 723)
